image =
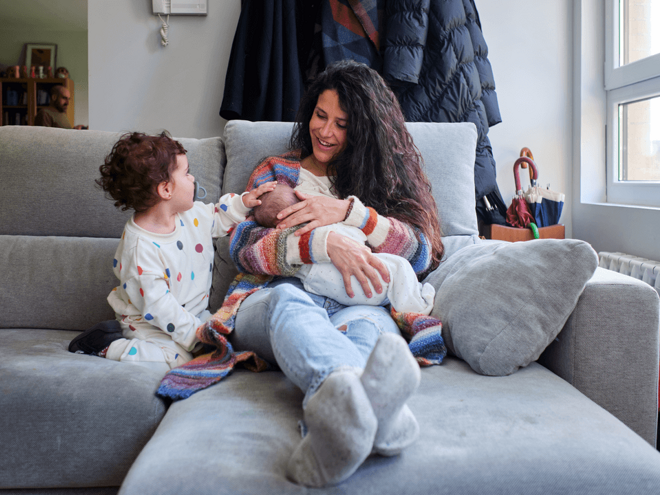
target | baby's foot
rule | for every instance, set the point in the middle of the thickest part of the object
(341, 429)
(391, 376)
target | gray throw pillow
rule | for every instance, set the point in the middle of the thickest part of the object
(501, 304)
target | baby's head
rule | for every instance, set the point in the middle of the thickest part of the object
(272, 203)
(135, 166)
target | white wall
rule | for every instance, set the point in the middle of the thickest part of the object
(530, 50)
(137, 84)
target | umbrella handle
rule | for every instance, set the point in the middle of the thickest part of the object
(528, 153)
(533, 174)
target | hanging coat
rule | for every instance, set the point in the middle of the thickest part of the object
(264, 78)
(433, 54)
(436, 59)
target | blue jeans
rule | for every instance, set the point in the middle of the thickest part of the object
(298, 331)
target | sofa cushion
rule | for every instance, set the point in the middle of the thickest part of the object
(48, 180)
(448, 151)
(530, 432)
(501, 304)
(55, 282)
(70, 420)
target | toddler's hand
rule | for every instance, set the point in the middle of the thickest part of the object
(250, 199)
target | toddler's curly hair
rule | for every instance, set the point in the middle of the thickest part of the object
(135, 166)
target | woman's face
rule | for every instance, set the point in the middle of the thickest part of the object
(327, 127)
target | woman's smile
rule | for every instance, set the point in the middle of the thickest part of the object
(328, 128)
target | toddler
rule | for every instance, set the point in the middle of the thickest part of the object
(164, 261)
(403, 292)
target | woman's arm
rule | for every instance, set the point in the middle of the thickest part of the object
(264, 251)
(384, 234)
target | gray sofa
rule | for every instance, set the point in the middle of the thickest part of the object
(579, 419)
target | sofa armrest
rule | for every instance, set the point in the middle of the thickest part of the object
(608, 349)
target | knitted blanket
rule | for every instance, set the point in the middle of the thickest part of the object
(268, 252)
(424, 334)
(207, 369)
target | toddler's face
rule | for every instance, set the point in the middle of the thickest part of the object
(183, 185)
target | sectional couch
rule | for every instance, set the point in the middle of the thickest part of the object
(550, 387)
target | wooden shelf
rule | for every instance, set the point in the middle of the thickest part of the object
(512, 234)
(31, 87)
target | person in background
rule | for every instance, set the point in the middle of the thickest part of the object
(54, 115)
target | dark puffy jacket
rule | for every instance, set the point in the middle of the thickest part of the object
(435, 59)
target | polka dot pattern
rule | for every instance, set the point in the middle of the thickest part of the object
(196, 222)
(179, 244)
(199, 248)
(148, 317)
(132, 352)
(170, 327)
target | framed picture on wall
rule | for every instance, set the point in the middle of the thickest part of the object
(40, 54)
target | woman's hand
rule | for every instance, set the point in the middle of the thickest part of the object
(354, 259)
(317, 210)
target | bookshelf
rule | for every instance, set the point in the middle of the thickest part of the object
(22, 98)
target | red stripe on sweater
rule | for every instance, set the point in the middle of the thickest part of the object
(303, 245)
(371, 222)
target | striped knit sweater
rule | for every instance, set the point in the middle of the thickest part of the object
(261, 253)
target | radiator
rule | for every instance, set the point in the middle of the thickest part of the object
(634, 266)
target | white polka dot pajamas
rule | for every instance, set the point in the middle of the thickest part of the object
(165, 281)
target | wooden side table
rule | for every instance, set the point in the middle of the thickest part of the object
(512, 234)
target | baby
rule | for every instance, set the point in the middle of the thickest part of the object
(404, 292)
(164, 261)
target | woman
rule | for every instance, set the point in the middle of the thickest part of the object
(351, 149)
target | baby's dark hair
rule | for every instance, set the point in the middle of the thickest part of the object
(272, 203)
(135, 166)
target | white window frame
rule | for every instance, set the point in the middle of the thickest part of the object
(632, 82)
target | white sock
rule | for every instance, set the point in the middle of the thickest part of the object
(390, 377)
(341, 429)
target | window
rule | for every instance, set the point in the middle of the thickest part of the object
(632, 82)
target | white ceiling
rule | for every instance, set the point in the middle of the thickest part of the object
(51, 15)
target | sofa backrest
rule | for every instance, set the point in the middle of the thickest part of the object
(58, 232)
(448, 151)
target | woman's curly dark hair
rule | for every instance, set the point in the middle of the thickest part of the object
(135, 166)
(380, 164)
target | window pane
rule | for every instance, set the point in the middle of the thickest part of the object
(639, 140)
(639, 29)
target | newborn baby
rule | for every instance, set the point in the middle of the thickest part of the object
(272, 203)
(404, 292)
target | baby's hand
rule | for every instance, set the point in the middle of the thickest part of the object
(250, 199)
